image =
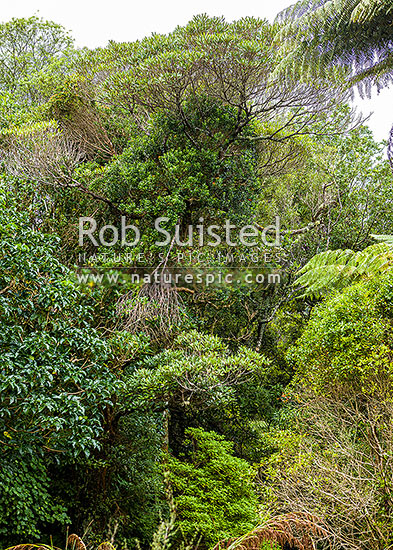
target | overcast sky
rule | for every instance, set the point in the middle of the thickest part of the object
(94, 22)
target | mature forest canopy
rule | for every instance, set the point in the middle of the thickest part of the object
(196, 293)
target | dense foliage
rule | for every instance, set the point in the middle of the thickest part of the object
(55, 378)
(213, 490)
(238, 392)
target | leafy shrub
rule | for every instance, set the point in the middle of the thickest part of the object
(214, 493)
(348, 343)
(55, 378)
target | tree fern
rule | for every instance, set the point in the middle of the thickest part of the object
(336, 269)
(366, 10)
(355, 35)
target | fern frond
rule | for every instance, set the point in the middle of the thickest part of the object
(355, 34)
(367, 9)
(336, 269)
(388, 239)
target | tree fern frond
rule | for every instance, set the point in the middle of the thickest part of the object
(355, 34)
(381, 73)
(388, 239)
(367, 9)
(336, 269)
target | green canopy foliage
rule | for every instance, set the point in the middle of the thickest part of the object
(28, 46)
(158, 414)
(213, 491)
(347, 344)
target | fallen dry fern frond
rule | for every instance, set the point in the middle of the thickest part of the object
(75, 543)
(32, 547)
(294, 531)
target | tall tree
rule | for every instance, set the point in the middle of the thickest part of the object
(27, 46)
